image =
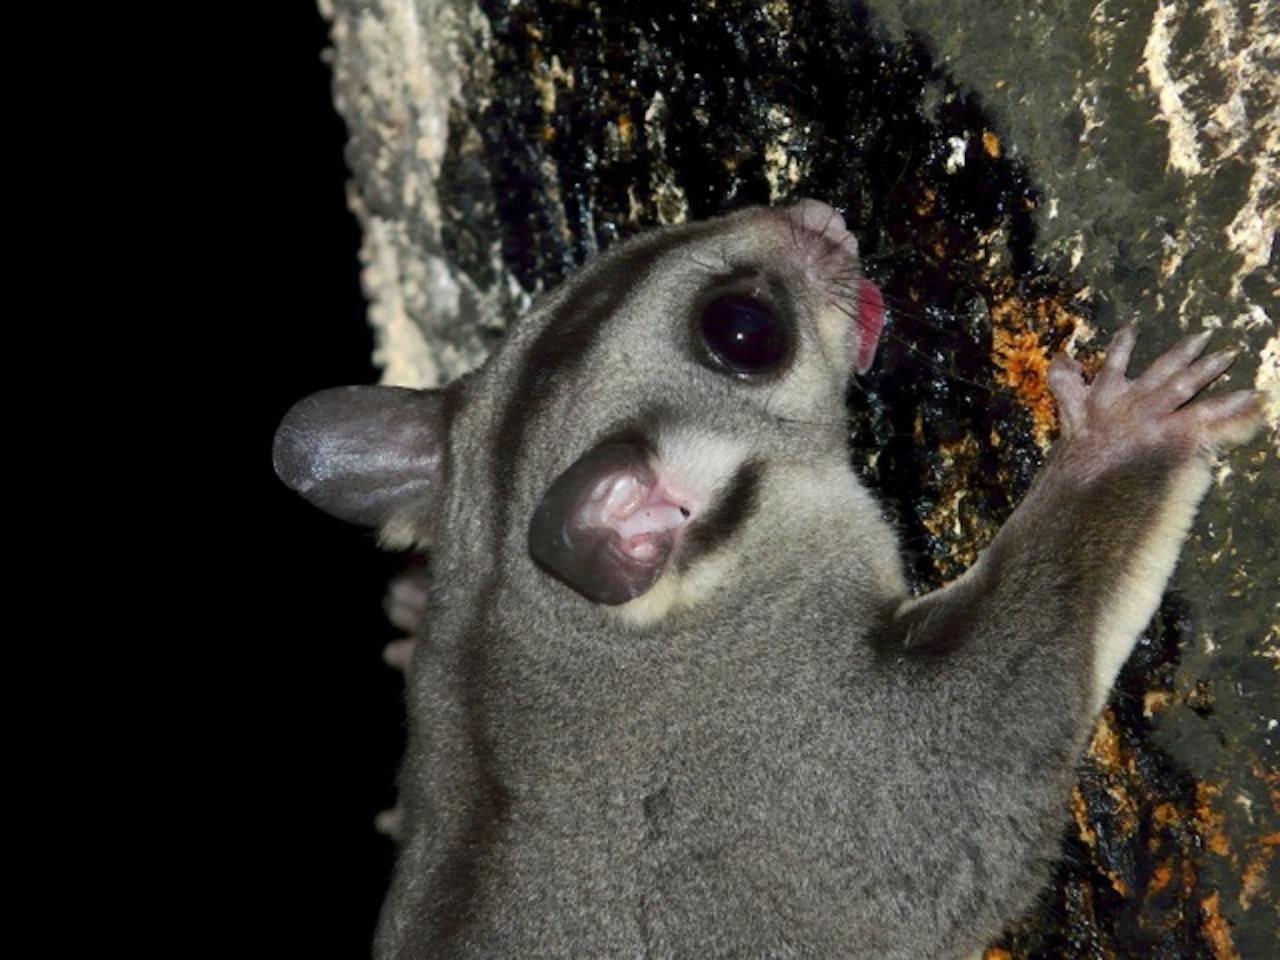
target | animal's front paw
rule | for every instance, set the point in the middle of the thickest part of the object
(406, 607)
(1115, 420)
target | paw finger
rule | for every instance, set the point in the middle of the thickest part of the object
(1223, 421)
(390, 822)
(1066, 381)
(406, 599)
(1117, 362)
(404, 615)
(1173, 361)
(1185, 385)
(399, 653)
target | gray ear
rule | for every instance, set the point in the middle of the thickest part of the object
(369, 455)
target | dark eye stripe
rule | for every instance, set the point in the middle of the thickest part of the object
(734, 507)
(568, 336)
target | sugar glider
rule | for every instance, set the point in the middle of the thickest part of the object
(674, 697)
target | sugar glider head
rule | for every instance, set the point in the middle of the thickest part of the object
(623, 431)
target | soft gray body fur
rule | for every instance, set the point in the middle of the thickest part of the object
(770, 751)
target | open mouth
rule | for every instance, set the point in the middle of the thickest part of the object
(608, 525)
(639, 514)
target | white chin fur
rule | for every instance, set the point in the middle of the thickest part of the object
(694, 467)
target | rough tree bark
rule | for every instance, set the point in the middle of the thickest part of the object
(1023, 177)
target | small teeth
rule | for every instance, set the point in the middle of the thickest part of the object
(651, 520)
(601, 489)
(624, 497)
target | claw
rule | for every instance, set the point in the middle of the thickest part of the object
(1111, 379)
(1119, 352)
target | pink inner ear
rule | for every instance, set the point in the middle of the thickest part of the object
(870, 323)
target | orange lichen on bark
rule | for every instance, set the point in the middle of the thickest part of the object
(1080, 813)
(1023, 365)
(1165, 815)
(954, 521)
(1105, 747)
(1155, 701)
(1253, 880)
(928, 198)
(1126, 814)
(1209, 820)
(1271, 777)
(1117, 883)
(1216, 931)
(1022, 334)
(991, 144)
(1160, 877)
(1117, 766)
(997, 953)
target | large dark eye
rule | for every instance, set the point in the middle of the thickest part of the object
(744, 334)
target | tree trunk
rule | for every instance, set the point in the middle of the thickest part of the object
(1022, 178)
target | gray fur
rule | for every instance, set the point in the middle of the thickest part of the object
(786, 758)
